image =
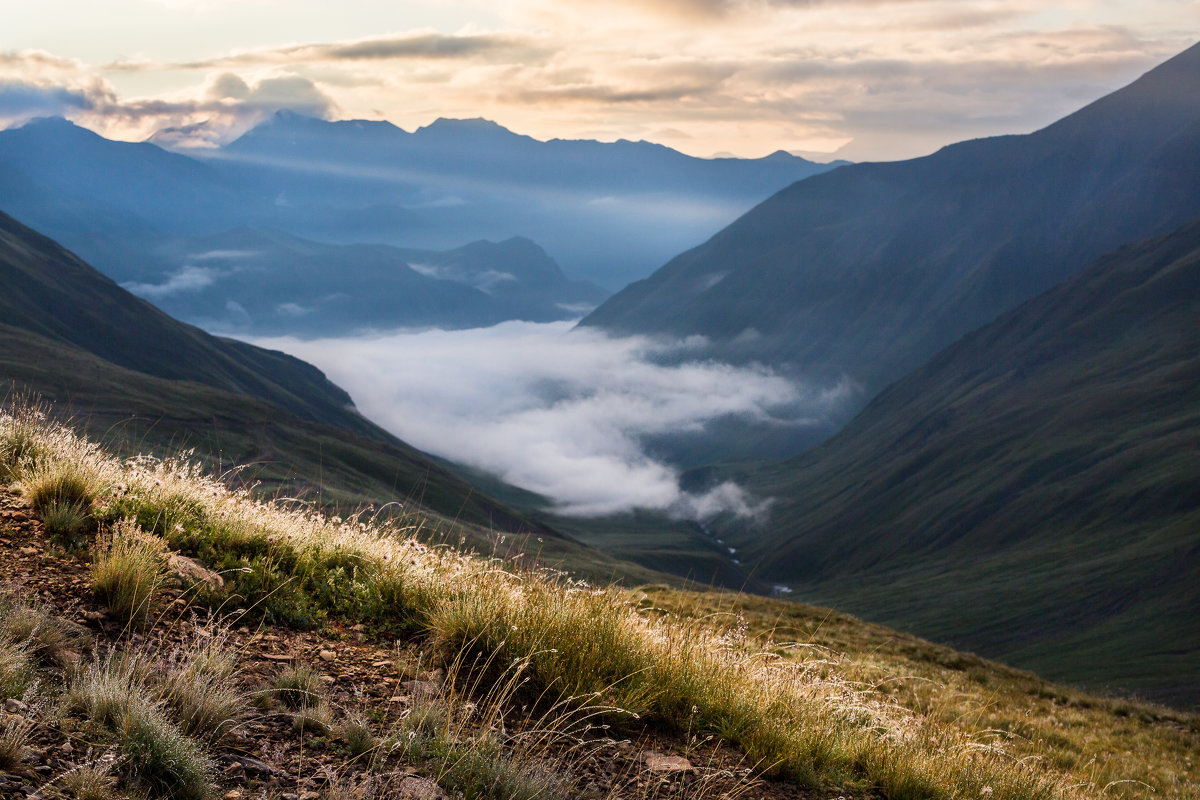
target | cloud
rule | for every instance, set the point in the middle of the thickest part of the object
(557, 411)
(23, 99)
(419, 45)
(188, 279)
(883, 78)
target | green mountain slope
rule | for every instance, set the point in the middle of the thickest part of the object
(870, 269)
(1032, 493)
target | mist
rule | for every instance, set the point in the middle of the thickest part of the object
(560, 412)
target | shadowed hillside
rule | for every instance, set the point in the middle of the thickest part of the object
(1032, 493)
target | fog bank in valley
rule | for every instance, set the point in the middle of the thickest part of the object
(558, 411)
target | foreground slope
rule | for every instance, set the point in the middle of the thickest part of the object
(1032, 493)
(522, 677)
(870, 269)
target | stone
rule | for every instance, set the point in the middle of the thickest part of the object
(661, 762)
(255, 767)
(13, 706)
(413, 788)
(191, 571)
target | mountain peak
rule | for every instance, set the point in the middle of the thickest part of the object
(474, 126)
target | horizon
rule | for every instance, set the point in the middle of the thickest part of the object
(706, 78)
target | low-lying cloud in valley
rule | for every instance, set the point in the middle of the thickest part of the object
(558, 411)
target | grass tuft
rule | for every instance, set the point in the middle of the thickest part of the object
(197, 681)
(92, 780)
(299, 687)
(113, 693)
(14, 739)
(16, 669)
(48, 638)
(128, 568)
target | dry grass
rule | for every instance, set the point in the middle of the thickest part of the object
(198, 683)
(128, 567)
(576, 647)
(115, 695)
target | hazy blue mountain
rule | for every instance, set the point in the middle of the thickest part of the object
(868, 270)
(1032, 493)
(609, 212)
(266, 282)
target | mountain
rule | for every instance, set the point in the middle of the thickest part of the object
(265, 282)
(867, 271)
(609, 212)
(134, 376)
(1032, 493)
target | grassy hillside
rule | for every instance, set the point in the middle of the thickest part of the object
(868, 270)
(1032, 493)
(822, 717)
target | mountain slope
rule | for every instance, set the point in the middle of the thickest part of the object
(138, 378)
(51, 292)
(868, 270)
(1033, 492)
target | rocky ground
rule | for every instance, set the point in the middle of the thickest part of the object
(267, 754)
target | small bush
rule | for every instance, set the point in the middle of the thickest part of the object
(299, 687)
(197, 683)
(90, 781)
(128, 569)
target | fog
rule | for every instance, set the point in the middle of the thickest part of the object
(558, 411)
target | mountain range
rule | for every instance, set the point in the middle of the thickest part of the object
(366, 208)
(865, 272)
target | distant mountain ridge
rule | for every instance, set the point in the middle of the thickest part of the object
(607, 213)
(1032, 493)
(868, 270)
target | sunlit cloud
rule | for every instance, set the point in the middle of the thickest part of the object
(878, 78)
(560, 412)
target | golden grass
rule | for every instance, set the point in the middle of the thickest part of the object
(793, 714)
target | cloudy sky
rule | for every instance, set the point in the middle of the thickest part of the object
(868, 79)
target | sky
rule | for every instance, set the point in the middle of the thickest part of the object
(563, 412)
(859, 79)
